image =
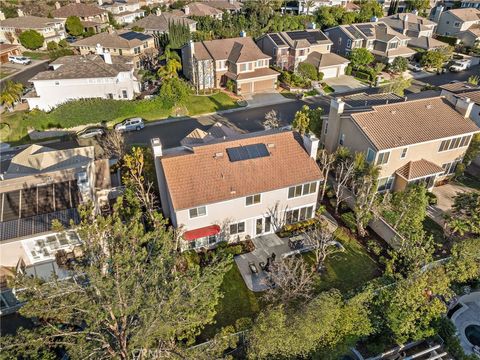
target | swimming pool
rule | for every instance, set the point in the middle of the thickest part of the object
(472, 333)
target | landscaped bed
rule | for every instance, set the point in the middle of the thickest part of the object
(92, 111)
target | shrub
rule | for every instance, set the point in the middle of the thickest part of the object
(52, 45)
(349, 219)
(374, 247)
(348, 70)
(362, 75)
(230, 85)
(248, 246)
(301, 226)
(191, 258)
(320, 76)
(432, 198)
(243, 323)
(234, 250)
(31, 39)
(308, 71)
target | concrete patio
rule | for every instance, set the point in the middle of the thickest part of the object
(469, 314)
(445, 194)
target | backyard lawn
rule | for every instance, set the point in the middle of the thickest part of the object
(345, 271)
(14, 126)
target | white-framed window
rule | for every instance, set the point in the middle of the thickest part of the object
(404, 153)
(253, 199)
(296, 215)
(370, 155)
(124, 94)
(301, 190)
(383, 158)
(57, 82)
(456, 24)
(349, 43)
(197, 212)
(259, 63)
(454, 143)
(326, 127)
(385, 183)
(449, 168)
(137, 50)
(237, 228)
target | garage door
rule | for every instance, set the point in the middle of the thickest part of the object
(264, 85)
(330, 72)
(245, 88)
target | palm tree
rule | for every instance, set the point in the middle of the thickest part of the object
(11, 93)
(170, 70)
(308, 4)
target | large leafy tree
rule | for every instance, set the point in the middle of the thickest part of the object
(31, 39)
(74, 26)
(464, 219)
(307, 119)
(398, 85)
(138, 294)
(174, 91)
(322, 325)
(433, 59)
(464, 264)
(368, 10)
(11, 93)
(399, 65)
(360, 57)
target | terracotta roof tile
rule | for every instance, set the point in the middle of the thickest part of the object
(203, 177)
(81, 10)
(240, 49)
(120, 39)
(412, 122)
(472, 95)
(29, 22)
(459, 87)
(417, 169)
(200, 9)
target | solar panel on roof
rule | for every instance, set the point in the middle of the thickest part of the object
(134, 35)
(366, 29)
(247, 152)
(276, 39)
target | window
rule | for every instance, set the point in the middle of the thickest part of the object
(349, 43)
(237, 228)
(259, 63)
(385, 183)
(383, 158)
(252, 199)
(243, 67)
(137, 50)
(449, 168)
(301, 53)
(456, 24)
(455, 143)
(110, 96)
(293, 216)
(124, 94)
(342, 139)
(120, 51)
(57, 83)
(370, 155)
(145, 45)
(404, 153)
(326, 127)
(197, 212)
(299, 190)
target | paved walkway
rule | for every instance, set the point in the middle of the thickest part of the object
(469, 314)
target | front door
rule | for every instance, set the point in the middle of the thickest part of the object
(259, 226)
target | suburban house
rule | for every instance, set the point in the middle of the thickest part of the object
(309, 7)
(454, 92)
(231, 6)
(463, 23)
(419, 29)
(91, 16)
(215, 63)
(379, 38)
(470, 4)
(82, 77)
(129, 44)
(41, 184)
(290, 48)
(51, 29)
(216, 131)
(202, 9)
(123, 11)
(7, 50)
(238, 188)
(412, 141)
(157, 24)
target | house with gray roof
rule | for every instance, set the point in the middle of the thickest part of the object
(83, 77)
(290, 48)
(379, 38)
(463, 23)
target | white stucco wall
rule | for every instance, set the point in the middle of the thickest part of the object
(51, 93)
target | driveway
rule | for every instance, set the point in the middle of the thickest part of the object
(264, 99)
(345, 83)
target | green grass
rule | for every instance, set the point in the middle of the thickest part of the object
(312, 92)
(36, 55)
(328, 89)
(288, 95)
(92, 111)
(469, 181)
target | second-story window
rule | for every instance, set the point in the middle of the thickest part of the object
(136, 50)
(349, 43)
(252, 199)
(300, 190)
(197, 212)
(383, 158)
(404, 153)
(370, 155)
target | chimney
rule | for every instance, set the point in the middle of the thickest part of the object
(99, 49)
(243, 33)
(78, 1)
(57, 5)
(464, 106)
(156, 147)
(2, 15)
(20, 13)
(192, 47)
(230, 1)
(415, 12)
(158, 11)
(186, 10)
(374, 19)
(100, 2)
(405, 18)
(107, 57)
(333, 125)
(310, 142)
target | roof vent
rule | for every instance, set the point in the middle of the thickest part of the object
(393, 112)
(429, 106)
(232, 191)
(218, 155)
(271, 145)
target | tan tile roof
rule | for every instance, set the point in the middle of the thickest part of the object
(240, 49)
(159, 23)
(224, 4)
(200, 9)
(85, 66)
(29, 22)
(324, 60)
(412, 122)
(459, 87)
(418, 169)
(253, 74)
(8, 47)
(466, 14)
(472, 95)
(201, 177)
(78, 9)
(119, 40)
(425, 42)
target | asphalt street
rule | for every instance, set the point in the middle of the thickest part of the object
(26, 74)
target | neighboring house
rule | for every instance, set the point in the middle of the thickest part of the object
(7, 50)
(216, 131)
(309, 6)
(412, 141)
(419, 29)
(212, 64)
(454, 92)
(91, 16)
(232, 6)
(238, 188)
(51, 29)
(202, 9)
(129, 44)
(42, 184)
(82, 77)
(471, 4)
(462, 23)
(290, 48)
(377, 37)
(123, 11)
(157, 24)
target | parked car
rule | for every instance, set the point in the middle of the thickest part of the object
(460, 65)
(71, 39)
(130, 125)
(23, 60)
(91, 132)
(415, 67)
